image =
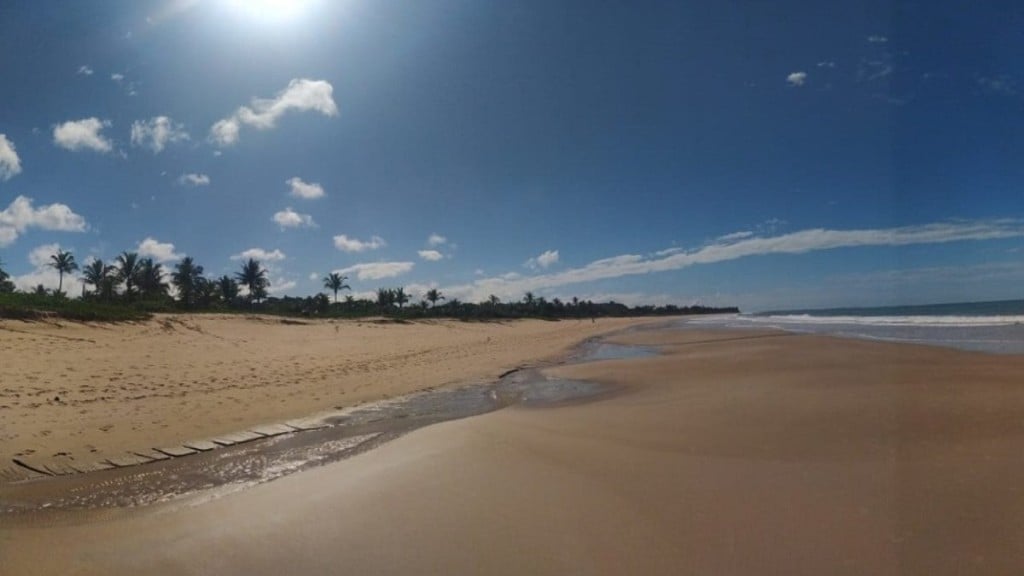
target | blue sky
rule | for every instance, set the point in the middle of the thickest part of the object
(784, 154)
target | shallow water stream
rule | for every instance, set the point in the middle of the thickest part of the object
(348, 433)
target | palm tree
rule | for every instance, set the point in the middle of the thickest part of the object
(6, 286)
(433, 295)
(95, 273)
(400, 297)
(320, 303)
(228, 288)
(188, 279)
(149, 276)
(127, 269)
(63, 262)
(385, 298)
(454, 305)
(529, 299)
(335, 282)
(254, 277)
(206, 291)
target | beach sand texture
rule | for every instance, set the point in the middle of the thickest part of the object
(73, 395)
(733, 453)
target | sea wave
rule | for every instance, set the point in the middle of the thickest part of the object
(1000, 334)
(919, 321)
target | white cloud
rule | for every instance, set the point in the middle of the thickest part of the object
(192, 179)
(797, 78)
(7, 236)
(314, 276)
(84, 70)
(546, 259)
(40, 255)
(377, 270)
(225, 132)
(307, 190)
(10, 164)
(289, 218)
(20, 215)
(736, 236)
(43, 273)
(281, 285)
(260, 254)
(157, 132)
(82, 134)
(346, 244)
(363, 295)
(417, 289)
(436, 240)
(158, 251)
(430, 255)
(48, 277)
(620, 260)
(826, 64)
(877, 39)
(800, 242)
(301, 95)
(117, 77)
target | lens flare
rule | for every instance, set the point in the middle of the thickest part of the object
(270, 11)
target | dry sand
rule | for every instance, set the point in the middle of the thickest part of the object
(734, 453)
(73, 393)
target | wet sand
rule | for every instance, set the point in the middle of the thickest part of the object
(74, 395)
(732, 453)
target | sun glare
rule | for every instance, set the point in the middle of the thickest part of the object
(270, 11)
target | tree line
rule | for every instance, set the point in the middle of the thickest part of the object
(131, 279)
(143, 284)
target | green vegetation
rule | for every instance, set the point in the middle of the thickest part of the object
(32, 306)
(335, 282)
(133, 288)
(6, 286)
(254, 277)
(188, 279)
(64, 263)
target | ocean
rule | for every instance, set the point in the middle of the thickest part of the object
(995, 327)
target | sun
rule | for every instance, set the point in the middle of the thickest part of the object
(270, 11)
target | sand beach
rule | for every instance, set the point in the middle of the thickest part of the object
(731, 452)
(73, 394)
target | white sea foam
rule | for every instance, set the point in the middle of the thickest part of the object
(1000, 334)
(948, 321)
